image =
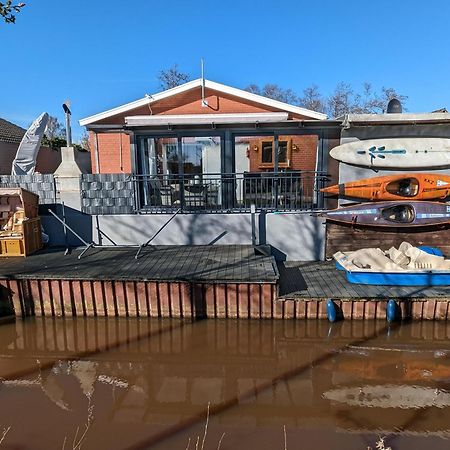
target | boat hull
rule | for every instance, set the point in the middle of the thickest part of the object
(417, 186)
(431, 278)
(400, 153)
(401, 214)
(386, 277)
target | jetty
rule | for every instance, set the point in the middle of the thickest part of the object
(215, 281)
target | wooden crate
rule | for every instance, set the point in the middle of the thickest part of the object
(25, 239)
(14, 200)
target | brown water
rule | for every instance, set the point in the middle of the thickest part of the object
(147, 384)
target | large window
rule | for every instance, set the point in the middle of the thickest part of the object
(256, 160)
(158, 156)
(201, 155)
(185, 171)
(180, 171)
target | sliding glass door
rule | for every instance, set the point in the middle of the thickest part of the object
(180, 171)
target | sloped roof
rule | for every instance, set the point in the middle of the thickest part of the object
(149, 99)
(10, 133)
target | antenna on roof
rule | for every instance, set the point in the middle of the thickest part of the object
(204, 101)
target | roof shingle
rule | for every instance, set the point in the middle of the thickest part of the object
(10, 133)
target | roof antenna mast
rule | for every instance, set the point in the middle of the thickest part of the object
(204, 101)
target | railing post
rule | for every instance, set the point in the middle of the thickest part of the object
(253, 219)
(137, 198)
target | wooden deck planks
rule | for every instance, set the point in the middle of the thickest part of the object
(231, 263)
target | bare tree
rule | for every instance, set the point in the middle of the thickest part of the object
(312, 99)
(370, 102)
(8, 10)
(84, 141)
(340, 101)
(344, 99)
(390, 93)
(254, 89)
(172, 77)
(274, 92)
(55, 129)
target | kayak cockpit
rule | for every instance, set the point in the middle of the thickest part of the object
(399, 214)
(405, 187)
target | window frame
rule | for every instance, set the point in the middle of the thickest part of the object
(271, 165)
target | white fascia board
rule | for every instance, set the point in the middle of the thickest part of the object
(149, 99)
(198, 119)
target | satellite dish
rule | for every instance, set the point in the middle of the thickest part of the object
(394, 107)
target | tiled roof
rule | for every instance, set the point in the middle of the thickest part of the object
(10, 133)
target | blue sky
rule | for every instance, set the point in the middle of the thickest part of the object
(103, 53)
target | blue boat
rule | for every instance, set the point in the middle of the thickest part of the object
(416, 278)
(388, 277)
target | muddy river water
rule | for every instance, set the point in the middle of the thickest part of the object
(105, 383)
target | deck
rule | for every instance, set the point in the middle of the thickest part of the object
(235, 281)
(201, 263)
(230, 281)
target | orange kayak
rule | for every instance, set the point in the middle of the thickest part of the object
(417, 186)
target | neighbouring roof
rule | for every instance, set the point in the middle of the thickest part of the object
(10, 133)
(434, 117)
(150, 99)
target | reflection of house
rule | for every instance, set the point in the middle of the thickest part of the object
(258, 374)
(10, 136)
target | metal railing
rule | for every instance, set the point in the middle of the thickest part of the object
(229, 192)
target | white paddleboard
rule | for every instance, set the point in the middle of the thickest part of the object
(399, 153)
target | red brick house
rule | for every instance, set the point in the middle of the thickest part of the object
(185, 101)
(200, 132)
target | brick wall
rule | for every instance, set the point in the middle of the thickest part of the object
(110, 146)
(186, 103)
(190, 103)
(302, 155)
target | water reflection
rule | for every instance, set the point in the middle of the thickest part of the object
(149, 383)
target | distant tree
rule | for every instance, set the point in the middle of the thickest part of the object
(54, 136)
(388, 94)
(84, 141)
(54, 128)
(274, 92)
(312, 99)
(344, 100)
(340, 101)
(172, 77)
(8, 10)
(254, 89)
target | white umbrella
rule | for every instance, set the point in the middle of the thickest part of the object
(25, 160)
